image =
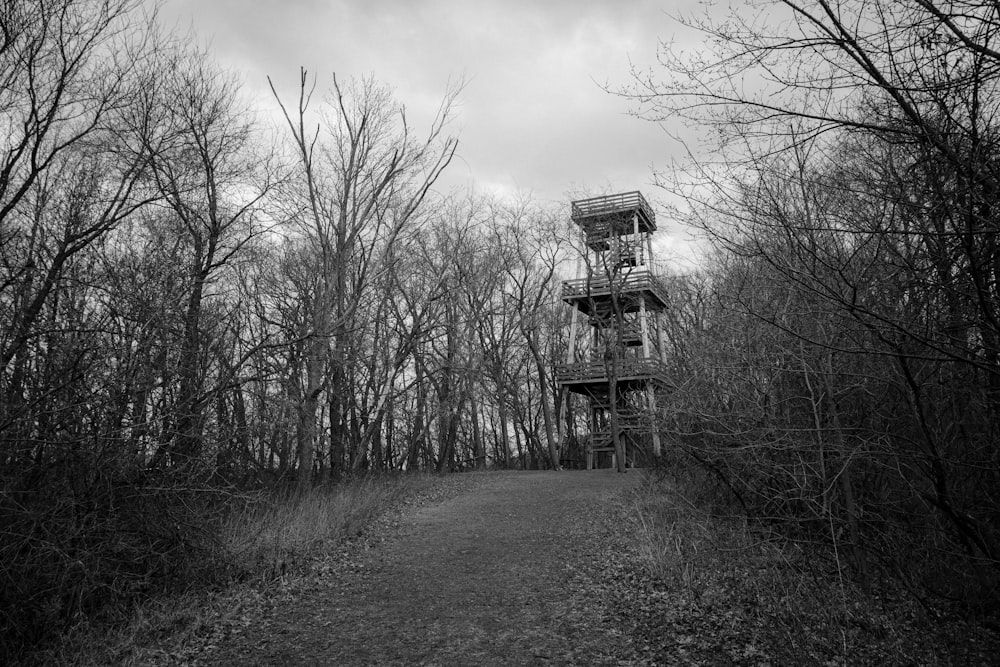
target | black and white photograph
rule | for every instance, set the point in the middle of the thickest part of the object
(480, 333)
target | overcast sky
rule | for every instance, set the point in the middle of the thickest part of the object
(533, 117)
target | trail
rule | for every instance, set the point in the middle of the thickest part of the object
(502, 574)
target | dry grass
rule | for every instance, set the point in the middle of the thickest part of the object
(262, 537)
(268, 535)
(726, 590)
(751, 593)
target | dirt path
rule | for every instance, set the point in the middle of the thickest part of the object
(501, 574)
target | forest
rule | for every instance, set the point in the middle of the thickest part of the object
(195, 303)
(837, 356)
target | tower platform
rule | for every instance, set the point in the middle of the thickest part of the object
(608, 216)
(590, 378)
(633, 288)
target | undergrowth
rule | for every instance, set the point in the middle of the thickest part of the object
(723, 589)
(270, 534)
(248, 540)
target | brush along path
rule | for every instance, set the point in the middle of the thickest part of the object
(508, 572)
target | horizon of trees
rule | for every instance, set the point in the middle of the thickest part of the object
(183, 289)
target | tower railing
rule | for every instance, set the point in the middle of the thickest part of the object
(598, 370)
(604, 205)
(631, 281)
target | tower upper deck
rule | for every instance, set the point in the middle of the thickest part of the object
(613, 215)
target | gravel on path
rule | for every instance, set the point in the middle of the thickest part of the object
(507, 571)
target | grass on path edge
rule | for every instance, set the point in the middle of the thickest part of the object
(709, 587)
(265, 540)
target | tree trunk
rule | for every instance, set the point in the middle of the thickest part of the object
(552, 446)
(307, 427)
(504, 430)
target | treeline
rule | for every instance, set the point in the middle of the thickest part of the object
(837, 368)
(192, 300)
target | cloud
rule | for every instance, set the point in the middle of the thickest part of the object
(532, 116)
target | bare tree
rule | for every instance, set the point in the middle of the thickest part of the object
(361, 181)
(855, 190)
(66, 70)
(207, 166)
(533, 243)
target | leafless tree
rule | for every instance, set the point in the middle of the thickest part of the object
(850, 199)
(67, 70)
(362, 179)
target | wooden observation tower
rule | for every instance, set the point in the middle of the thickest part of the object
(616, 338)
